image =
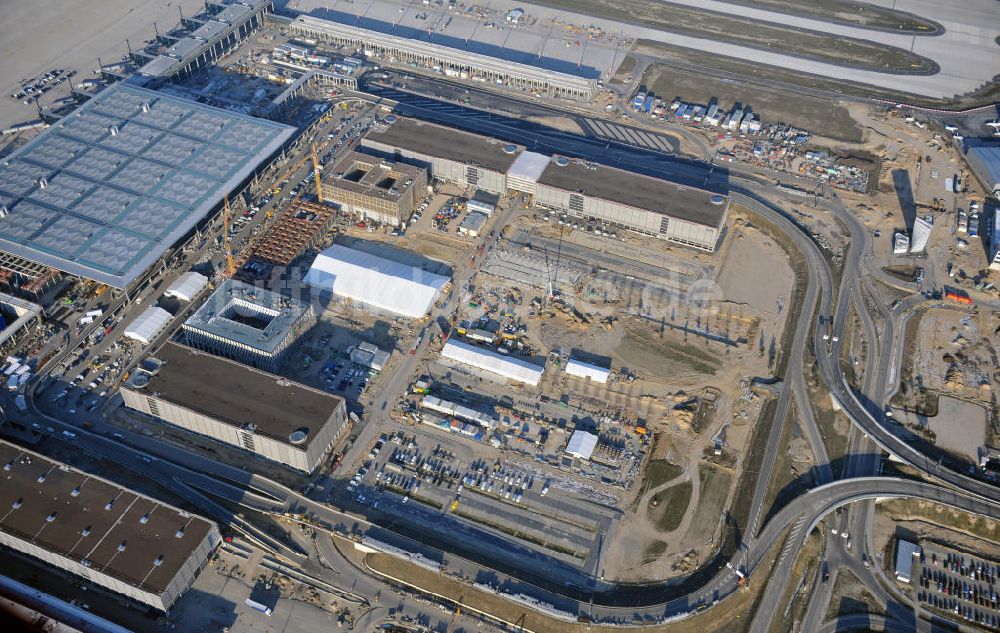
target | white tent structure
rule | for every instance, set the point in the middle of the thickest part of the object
(921, 234)
(374, 281)
(187, 286)
(586, 370)
(581, 444)
(148, 325)
(513, 368)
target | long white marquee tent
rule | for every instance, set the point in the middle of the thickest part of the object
(374, 281)
(513, 368)
(581, 369)
(148, 325)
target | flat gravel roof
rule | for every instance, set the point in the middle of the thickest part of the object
(636, 190)
(445, 142)
(108, 189)
(236, 394)
(108, 528)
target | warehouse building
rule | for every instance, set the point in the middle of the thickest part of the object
(984, 159)
(630, 201)
(270, 416)
(449, 155)
(590, 371)
(473, 224)
(906, 551)
(18, 319)
(370, 356)
(485, 202)
(515, 369)
(375, 189)
(104, 193)
(108, 535)
(613, 197)
(345, 30)
(252, 325)
(383, 285)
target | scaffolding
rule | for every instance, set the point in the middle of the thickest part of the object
(299, 227)
(26, 278)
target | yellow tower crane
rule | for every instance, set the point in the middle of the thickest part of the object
(316, 178)
(230, 262)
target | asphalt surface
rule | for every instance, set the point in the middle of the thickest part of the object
(187, 472)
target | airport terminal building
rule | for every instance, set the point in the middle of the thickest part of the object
(107, 191)
(268, 415)
(111, 536)
(445, 55)
(623, 199)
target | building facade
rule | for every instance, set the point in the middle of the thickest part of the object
(269, 416)
(248, 324)
(453, 62)
(374, 188)
(607, 196)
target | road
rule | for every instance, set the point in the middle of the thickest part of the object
(172, 464)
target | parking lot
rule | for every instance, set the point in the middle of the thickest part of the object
(449, 475)
(959, 584)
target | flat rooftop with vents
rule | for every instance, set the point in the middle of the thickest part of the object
(371, 176)
(249, 324)
(104, 192)
(254, 410)
(635, 190)
(91, 527)
(430, 139)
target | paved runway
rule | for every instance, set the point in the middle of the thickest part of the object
(967, 51)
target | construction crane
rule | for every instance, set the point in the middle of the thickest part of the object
(230, 262)
(316, 178)
(454, 614)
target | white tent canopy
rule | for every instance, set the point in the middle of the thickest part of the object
(380, 283)
(148, 325)
(581, 444)
(187, 286)
(513, 368)
(586, 370)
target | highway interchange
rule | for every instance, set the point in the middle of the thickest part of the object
(818, 332)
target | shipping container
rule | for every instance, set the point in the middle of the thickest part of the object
(647, 106)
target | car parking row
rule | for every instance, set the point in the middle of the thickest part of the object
(957, 607)
(31, 90)
(961, 585)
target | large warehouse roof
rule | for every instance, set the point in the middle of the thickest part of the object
(104, 192)
(488, 360)
(236, 394)
(636, 190)
(81, 517)
(446, 142)
(381, 283)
